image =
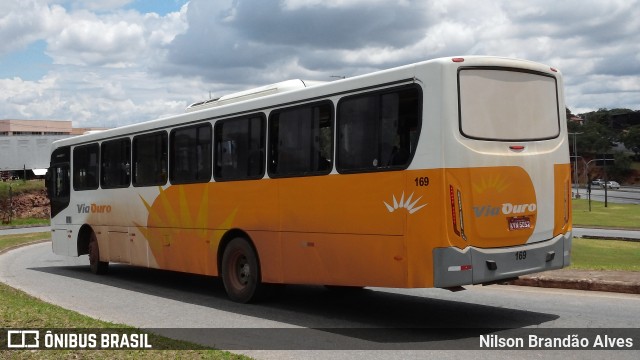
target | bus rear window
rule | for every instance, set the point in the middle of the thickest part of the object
(503, 104)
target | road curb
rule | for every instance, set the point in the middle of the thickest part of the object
(578, 284)
(17, 246)
(619, 238)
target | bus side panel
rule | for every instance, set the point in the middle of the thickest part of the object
(140, 251)
(268, 245)
(185, 223)
(337, 230)
(119, 247)
(344, 259)
(426, 224)
(342, 204)
(61, 243)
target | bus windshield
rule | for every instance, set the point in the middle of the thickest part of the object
(503, 104)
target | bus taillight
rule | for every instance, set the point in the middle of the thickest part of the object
(462, 234)
(453, 210)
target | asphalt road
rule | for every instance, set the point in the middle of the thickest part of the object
(24, 230)
(624, 195)
(316, 319)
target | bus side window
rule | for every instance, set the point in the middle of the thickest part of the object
(239, 148)
(149, 159)
(301, 140)
(116, 159)
(86, 167)
(378, 131)
(190, 154)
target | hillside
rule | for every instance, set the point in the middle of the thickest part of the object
(28, 200)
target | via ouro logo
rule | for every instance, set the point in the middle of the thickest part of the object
(506, 209)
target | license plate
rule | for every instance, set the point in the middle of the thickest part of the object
(519, 223)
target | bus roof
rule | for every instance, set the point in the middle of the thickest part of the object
(291, 91)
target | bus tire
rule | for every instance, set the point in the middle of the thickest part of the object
(97, 267)
(240, 271)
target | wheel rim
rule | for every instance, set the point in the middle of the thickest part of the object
(240, 271)
(244, 272)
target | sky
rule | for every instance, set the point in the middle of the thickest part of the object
(108, 63)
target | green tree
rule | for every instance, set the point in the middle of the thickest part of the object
(631, 139)
(595, 138)
(601, 116)
(621, 167)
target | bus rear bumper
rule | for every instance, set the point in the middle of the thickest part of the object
(455, 267)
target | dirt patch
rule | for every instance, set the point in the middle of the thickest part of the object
(26, 205)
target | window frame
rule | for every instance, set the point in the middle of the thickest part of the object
(74, 166)
(172, 153)
(102, 170)
(507, 69)
(378, 93)
(134, 168)
(263, 149)
(332, 114)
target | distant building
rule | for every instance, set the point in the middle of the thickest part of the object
(576, 119)
(26, 144)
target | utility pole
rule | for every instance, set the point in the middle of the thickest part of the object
(10, 204)
(575, 164)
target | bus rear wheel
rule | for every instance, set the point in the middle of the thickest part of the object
(97, 267)
(240, 271)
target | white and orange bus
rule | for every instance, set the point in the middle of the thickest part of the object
(442, 173)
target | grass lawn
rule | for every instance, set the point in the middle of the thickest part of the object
(19, 310)
(19, 186)
(12, 240)
(615, 215)
(593, 254)
(28, 222)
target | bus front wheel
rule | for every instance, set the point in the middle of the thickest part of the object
(240, 271)
(97, 267)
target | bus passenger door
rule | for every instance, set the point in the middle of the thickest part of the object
(58, 184)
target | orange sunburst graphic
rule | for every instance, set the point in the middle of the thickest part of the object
(496, 182)
(180, 227)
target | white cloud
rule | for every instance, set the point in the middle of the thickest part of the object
(90, 42)
(96, 5)
(292, 5)
(121, 39)
(113, 66)
(23, 22)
